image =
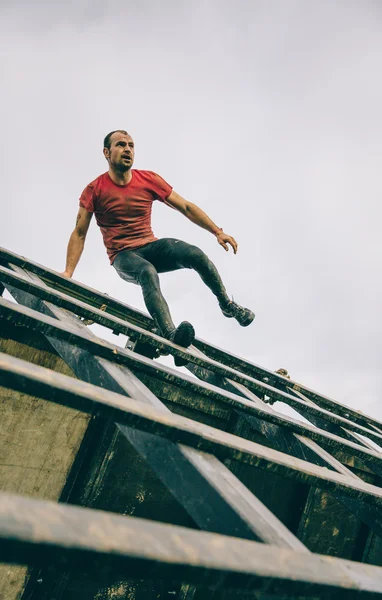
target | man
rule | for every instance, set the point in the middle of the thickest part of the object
(121, 200)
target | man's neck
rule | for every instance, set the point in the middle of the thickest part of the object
(120, 178)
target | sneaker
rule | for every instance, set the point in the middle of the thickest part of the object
(183, 335)
(243, 316)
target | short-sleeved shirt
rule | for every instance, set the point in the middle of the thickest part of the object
(123, 212)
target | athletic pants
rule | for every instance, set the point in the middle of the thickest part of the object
(142, 265)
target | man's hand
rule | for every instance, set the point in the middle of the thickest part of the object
(224, 239)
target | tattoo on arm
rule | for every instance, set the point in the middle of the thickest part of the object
(78, 219)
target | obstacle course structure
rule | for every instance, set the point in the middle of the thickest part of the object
(122, 478)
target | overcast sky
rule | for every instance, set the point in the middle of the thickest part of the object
(265, 113)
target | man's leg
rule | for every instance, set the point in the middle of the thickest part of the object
(134, 268)
(170, 254)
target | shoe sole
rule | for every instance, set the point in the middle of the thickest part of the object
(248, 321)
(242, 323)
(184, 336)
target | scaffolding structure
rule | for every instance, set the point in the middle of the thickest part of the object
(124, 479)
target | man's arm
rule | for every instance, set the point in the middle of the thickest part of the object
(77, 241)
(199, 217)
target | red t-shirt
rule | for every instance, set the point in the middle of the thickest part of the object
(123, 212)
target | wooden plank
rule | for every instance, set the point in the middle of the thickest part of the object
(327, 527)
(86, 397)
(121, 310)
(301, 447)
(338, 430)
(284, 440)
(373, 550)
(319, 456)
(216, 513)
(78, 290)
(374, 427)
(274, 379)
(363, 512)
(301, 404)
(39, 444)
(183, 488)
(325, 456)
(267, 525)
(26, 317)
(366, 513)
(36, 531)
(255, 517)
(297, 444)
(346, 433)
(355, 436)
(33, 287)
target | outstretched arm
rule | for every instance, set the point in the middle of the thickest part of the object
(199, 217)
(77, 241)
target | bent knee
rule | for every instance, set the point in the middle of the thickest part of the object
(196, 257)
(148, 275)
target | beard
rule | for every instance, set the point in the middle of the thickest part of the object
(122, 165)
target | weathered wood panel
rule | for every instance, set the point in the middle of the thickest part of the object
(38, 443)
(35, 287)
(39, 531)
(121, 310)
(125, 410)
(141, 366)
(220, 509)
(206, 403)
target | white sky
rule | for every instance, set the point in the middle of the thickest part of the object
(265, 113)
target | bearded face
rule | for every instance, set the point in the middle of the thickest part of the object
(120, 155)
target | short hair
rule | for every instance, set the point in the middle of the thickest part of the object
(107, 140)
